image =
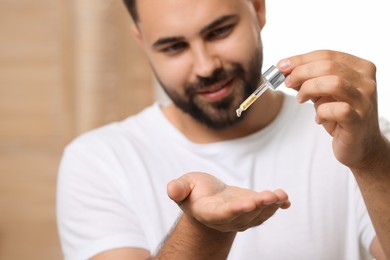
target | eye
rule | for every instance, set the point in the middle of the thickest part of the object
(220, 32)
(174, 48)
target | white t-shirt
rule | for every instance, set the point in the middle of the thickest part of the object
(112, 187)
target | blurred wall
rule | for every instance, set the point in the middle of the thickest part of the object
(66, 66)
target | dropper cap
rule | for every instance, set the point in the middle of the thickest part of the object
(274, 77)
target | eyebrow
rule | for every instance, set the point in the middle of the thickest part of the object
(217, 23)
(167, 40)
(207, 28)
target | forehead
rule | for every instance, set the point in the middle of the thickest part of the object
(159, 18)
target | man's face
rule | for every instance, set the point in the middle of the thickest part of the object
(206, 54)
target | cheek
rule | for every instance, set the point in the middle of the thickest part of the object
(240, 48)
(173, 73)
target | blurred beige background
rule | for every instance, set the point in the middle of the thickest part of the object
(66, 66)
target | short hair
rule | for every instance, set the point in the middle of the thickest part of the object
(131, 6)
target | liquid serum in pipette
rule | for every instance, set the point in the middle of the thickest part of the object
(272, 78)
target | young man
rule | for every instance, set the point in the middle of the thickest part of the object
(207, 55)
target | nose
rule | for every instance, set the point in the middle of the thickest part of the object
(206, 61)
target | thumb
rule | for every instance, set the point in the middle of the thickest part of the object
(178, 190)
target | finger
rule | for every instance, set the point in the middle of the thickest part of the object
(333, 86)
(340, 112)
(312, 70)
(259, 201)
(178, 190)
(260, 218)
(244, 220)
(288, 64)
(250, 211)
(247, 206)
(283, 200)
(263, 214)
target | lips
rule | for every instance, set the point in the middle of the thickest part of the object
(216, 91)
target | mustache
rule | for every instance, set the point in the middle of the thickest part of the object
(217, 76)
(205, 82)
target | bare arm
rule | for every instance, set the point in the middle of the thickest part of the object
(123, 254)
(192, 240)
(343, 90)
(213, 213)
(374, 183)
(188, 240)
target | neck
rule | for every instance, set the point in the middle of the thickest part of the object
(259, 115)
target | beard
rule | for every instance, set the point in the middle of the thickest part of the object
(220, 114)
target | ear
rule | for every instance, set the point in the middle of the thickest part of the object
(259, 6)
(137, 33)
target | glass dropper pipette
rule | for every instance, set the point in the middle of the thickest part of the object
(272, 78)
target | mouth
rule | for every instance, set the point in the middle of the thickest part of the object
(217, 91)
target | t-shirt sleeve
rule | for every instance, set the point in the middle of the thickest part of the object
(92, 213)
(385, 127)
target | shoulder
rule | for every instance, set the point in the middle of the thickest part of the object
(384, 125)
(115, 134)
(108, 148)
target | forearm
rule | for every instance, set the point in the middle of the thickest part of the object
(374, 182)
(192, 240)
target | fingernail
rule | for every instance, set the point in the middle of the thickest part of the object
(181, 183)
(284, 64)
(287, 81)
(317, 120)
(299, 97)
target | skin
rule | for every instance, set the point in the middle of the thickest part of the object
(341, 86)
(203, 56)
(343, 90)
